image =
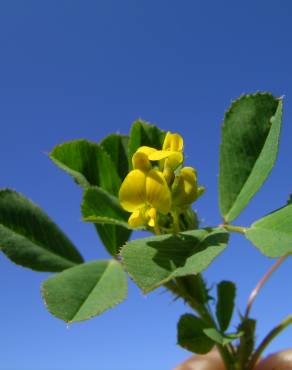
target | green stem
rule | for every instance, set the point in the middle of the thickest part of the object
(267, 340)
(179, 287)
(225, 351)
(233, 228)
(176, 226)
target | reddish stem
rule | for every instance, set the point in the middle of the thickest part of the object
(261, 283)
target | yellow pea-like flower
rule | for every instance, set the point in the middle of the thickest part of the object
(152, 217)
(185, 188)
(149, 192)
(141, 162)
(146, 150)
(132, 193)
(144, 193)
(173, 142)
(136, 219)
(172, 151)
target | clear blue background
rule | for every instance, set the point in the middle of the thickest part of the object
(83, 69)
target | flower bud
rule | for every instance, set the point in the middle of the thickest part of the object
(185, 189)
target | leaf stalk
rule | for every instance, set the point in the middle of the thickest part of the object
(261, 283)
(233, 228)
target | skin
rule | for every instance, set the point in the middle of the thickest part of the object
(211, 361)
(278, 361)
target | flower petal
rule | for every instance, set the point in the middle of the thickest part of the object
(166, 142)
(136, 219)
(152, 215)
(157, 191)
(146, 149)
(160, 154)
(168, 174)
(173, 142)
(141, 162)
(174, 160)
(132, 193)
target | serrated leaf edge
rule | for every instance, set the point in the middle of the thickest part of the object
(44, 297)
(49, 219)
(171, 276)
(83, 183)
(106, 220)
(226, 114)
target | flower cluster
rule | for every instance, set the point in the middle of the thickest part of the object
(159, 187)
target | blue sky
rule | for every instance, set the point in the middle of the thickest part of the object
(83, 69)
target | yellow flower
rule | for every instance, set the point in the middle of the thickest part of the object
(140, 161)
(148, 192)
(185, 188)
(144, 192)
(171, 153)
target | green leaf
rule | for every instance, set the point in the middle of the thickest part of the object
(85, 291)
(100, 207)
(214, 334)
(192, 289)
(195, 287)
(154, 261)
(113, 237)
(91, 165)
(88, 164)
(191, 334)
(142, 133)
(30, 238)
(272, 234)
(250, 139)
(226, 291)
(247, 339)
(117, 147)
(220, 338)
(289, 201)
